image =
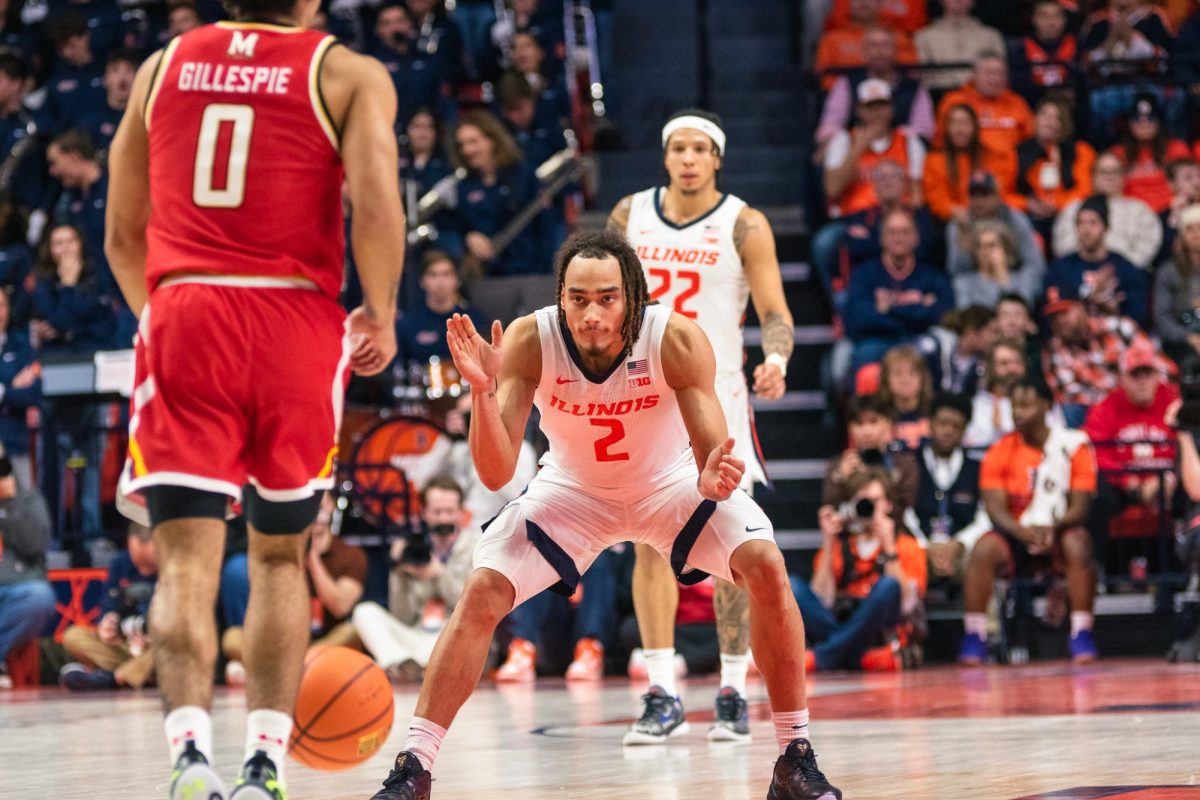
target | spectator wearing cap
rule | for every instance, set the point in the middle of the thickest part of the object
(998, 268)
(985, 202)
(1135, 447)
(75, 89)
(1053, 169)
(852, 155)
(912, 105)
(948, 517)
(119, 71)
(955, 37)
(1106, 281)
(1177, 290)
(26, 597)
(1144, 149)
(843, 47)
(1040, 60)
(1004, 117)
(1134, 230)
(948, 169)
(896, 298)
(1082, 358)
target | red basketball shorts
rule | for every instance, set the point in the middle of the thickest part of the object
(237, 384)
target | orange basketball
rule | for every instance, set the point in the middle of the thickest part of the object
(343, 712)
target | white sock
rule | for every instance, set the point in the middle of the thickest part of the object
(975, 622)
(1081, 621)
(790, 726)
(268, 730)
(188, 722)
(424, 740)
(660, 668)
(733, 671)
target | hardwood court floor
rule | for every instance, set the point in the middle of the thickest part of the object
(1119, 729)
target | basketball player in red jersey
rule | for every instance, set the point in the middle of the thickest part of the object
(224, 231)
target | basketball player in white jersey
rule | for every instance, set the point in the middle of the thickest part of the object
(638, 451)
(705, 254)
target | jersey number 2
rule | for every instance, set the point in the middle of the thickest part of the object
(227, 190)
(693, 279)
(616, 432)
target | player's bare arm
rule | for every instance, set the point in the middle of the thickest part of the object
(755, 244)
(690, 369)
(128, 211)
(503, 374)
(618, 218)
(362, 103)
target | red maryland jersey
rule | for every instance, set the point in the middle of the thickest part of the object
(245, 175)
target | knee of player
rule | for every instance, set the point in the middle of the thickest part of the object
(760, 566)
(1077, 547)
(487, 598)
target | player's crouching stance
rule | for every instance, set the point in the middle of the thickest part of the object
(623, 386)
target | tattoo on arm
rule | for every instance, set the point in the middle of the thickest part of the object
(732, 606)
(743, 227)
(777, 335)
(619, 217)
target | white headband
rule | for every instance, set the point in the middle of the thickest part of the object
(707, 127)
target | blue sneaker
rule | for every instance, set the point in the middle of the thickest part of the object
(78, 678)
(1083, 648)
(661, 719)
(973, 651)
(732, 720)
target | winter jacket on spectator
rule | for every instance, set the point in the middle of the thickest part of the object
(917, 301)
(1134, 230)
(1069, 275)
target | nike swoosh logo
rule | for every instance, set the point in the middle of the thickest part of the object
(754, 530)
(561, 381)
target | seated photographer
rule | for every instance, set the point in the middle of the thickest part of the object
(431, 567)
(871, 445)
(868, 574)
(1037, 485)
(117, 651)
(548, 624)
(948, 517)
(1134, 412)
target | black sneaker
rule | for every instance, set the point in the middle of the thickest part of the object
(258, 780)
(661, 719)
(78, 678)
(732, 720)
(797, 776)
(193, 778)
(408, 780)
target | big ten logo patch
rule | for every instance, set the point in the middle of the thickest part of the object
(636, 382)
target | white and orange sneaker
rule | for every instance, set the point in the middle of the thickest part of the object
(521, 664)
(589, 661)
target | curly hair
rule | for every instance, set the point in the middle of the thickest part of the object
(608, 244)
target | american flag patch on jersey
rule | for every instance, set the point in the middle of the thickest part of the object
(637, 367)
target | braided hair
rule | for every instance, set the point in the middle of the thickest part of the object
(605, 243)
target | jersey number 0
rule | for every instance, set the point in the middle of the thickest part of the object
(228, 189)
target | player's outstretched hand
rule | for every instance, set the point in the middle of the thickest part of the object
(373, 341)
(768, 382)
(722, 473)
(477, 360)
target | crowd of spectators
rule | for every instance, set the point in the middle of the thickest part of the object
(1021, 323)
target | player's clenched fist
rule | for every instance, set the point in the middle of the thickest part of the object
(722, 473)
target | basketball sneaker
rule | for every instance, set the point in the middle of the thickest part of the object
(258, 780)
(407, 780)
(661, 719)
(588, 664)
(521, 664)
(732, 720)
(78, 678)
(1083, 648)
(885, 658)
(797, 776)
(973, 651)
(193, 778)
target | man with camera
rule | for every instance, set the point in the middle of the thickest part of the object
(431, 568)
(118, 648)
(868, 574)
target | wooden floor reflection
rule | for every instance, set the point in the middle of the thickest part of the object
(1119, 730)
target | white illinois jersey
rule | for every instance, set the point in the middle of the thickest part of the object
(618, 432)
(695, 270)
